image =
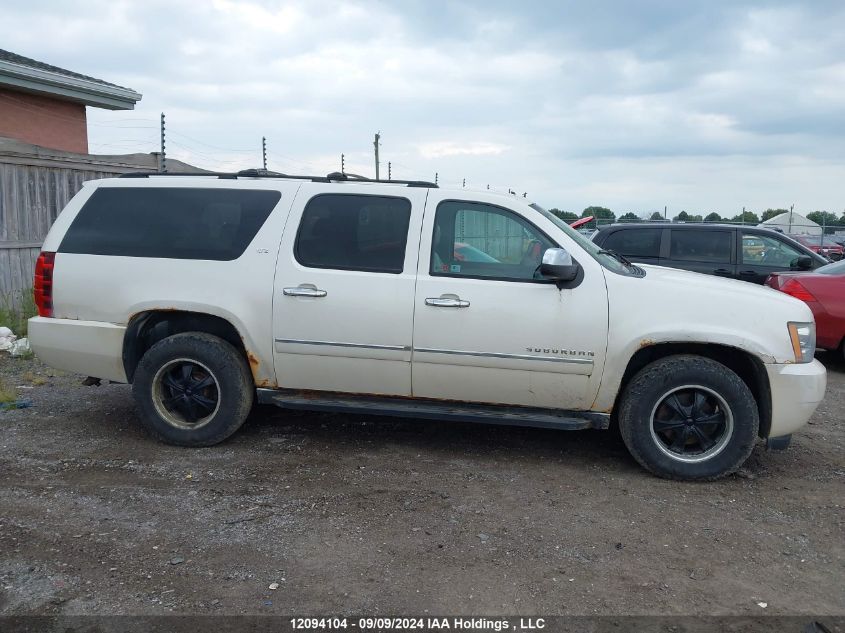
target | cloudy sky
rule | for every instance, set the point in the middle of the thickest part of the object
(700, 106)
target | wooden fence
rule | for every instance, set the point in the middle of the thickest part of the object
(35, 185)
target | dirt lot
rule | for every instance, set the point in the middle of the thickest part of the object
(362, 515)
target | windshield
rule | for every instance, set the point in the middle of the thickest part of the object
(837, 268)
(593, 249)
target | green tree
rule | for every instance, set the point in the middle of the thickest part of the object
(823, 218)
(713, 217)
(566, 216)
(683, 216)
(630, 216)
(656, 216)
(772, 213)
(748, 217)
(599, 213)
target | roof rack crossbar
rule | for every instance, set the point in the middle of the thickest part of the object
(260, 173)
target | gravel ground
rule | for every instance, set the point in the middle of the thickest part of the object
(316, 514)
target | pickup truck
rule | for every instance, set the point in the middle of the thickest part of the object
(209, 293)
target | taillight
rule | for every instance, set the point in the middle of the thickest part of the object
(43, 285)
(796, 289)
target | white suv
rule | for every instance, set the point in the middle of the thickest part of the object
(400, 298)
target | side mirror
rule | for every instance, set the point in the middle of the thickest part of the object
(804, 263)
(558, 265)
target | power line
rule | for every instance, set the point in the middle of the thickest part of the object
(224, 149)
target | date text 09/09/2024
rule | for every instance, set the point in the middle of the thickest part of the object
(417, 623)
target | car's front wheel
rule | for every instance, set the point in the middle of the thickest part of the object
(688, 417)
(193, 389)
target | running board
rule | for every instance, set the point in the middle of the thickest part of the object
(433, 409)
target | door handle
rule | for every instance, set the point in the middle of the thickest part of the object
(721, 271)
(447, 301)
(747, 273)
(304, 290)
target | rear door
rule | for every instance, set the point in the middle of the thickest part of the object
(703, 250)
(344, 290)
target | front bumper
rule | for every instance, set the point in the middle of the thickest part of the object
(797, 389)
(91, 348)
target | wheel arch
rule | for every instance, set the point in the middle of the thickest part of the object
(147, 328)
(747, 366)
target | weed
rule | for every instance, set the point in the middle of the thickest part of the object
(15, 309)
(7, 394)
(34, 379)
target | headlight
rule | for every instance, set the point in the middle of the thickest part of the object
(803, 337)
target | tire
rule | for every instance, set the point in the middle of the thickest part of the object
(688, 418)
(198, 406)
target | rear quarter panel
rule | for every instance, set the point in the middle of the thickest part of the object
(113, 289)
(830, 320)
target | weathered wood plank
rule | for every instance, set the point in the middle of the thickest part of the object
(32, 194)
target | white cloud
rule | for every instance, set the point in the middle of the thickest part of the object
(439, 149)
(714, 104)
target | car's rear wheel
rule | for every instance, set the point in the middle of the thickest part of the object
(193, 389)
(688, 417)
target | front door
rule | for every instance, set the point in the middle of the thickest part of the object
(344, 289)
(486, 327)
(764, 254)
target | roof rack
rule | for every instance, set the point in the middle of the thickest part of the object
(335, 176)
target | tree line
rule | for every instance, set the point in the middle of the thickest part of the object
(605, 215)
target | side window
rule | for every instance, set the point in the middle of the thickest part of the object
(762, 250)
(354, 232)
(480, 240)
(701, 246)
(169, 222)
(635, 242)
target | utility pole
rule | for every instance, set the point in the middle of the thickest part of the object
(389, 171)
(465, 183)
(342, 164)
(791, 207)
(742, 217)
(435, 178)
(162, 166)
(375, 144)
(264, 152)
(665, 211)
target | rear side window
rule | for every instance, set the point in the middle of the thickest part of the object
(701, 246)
(169, 222)
(354, 232)
(635, 242)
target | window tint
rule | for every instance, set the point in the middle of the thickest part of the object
(169, 222)
(479, 240)
(635, 242)
(762, 250)
(354, 232)
(701, 246)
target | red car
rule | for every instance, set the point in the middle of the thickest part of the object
(826, 247)
(824, 291)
